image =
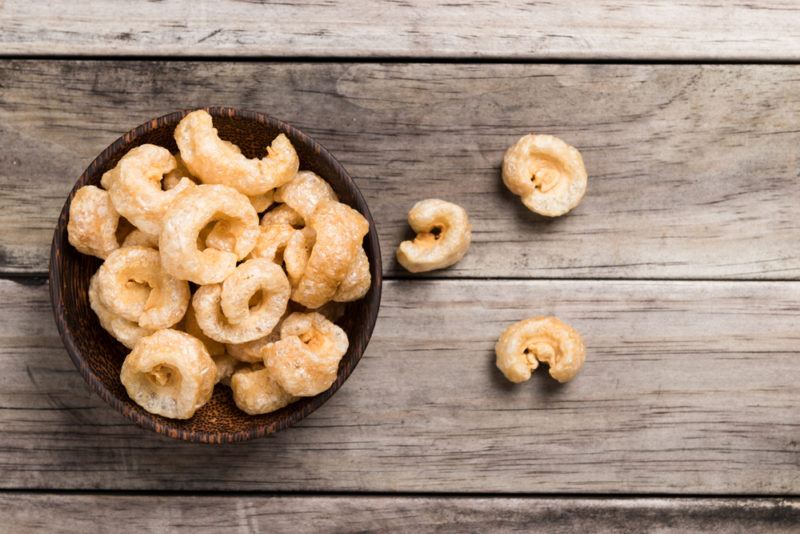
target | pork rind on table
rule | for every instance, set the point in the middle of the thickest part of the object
(547, 173)
(443, 236)
(540, 339)
(164, 220)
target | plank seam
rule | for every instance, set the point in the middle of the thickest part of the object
(456, 60)
(403, 494)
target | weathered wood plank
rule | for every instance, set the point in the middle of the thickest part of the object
(25, 512)
(688, 388)
(660, 29)
(693, 169)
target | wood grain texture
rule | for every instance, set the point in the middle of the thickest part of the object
(688, 388)
(138, 513)
(694, 170)
(595, 29)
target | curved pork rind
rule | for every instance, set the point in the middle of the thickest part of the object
(169, 373)
(93, 221)
(443, 236)
(540, 339)
(256, 392)
(257, 278)
(136, 190)
(132, 284)
(339, 232)
(215, 161)
(188, 216)
(306, 359)
(547, 173)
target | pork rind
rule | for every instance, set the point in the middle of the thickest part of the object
(137, 238)
(176, 175)
(186, 219)
(263, 201)
(283, 214)
(443, 236)
(136, 191)
(126, 332)
(214, 348)
(283, 245)
(256, 392)
(306, 359)
(169, 373)
(215, 161)
(256, 278)
(357, 281)
(339, 232)
(540, 339)
(547, 173)
(304, 192)
(132, 284)
(93, 221)
(226, 366)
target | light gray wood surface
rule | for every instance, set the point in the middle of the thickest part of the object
(138, 513)
(689, 387)
(694, 170)
(595, 29)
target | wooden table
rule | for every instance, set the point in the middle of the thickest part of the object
(681, 268)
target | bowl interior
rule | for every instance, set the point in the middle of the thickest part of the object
(99, 356)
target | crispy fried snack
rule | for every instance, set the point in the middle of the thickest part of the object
(136, 190)
(357, 281)
(132, 284)
(443, 236)
(540, 339)
(283, 245)
(188, 216)
(126, 332)
(339, 232)
(226, 366)
(137, 238)
(214, 348)
(169, 373)
(215, 161)
(546, 172)
(250, 351)
(263, 201)
(92, 222)
(256, 392)
(306, 359)
(176, 175)
(282, 214)
(304, 192)
(251, 279)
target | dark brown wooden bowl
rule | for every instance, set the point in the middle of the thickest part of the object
(99, 357)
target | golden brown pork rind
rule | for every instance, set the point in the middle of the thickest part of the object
(443, 236)
(93, 222)
(169, 373)
(339, 232)
(547, 173)
(540, 339)
(215, 161)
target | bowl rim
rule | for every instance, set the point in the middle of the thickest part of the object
(147, 421)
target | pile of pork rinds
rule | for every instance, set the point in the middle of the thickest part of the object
(265, 293)
(262, 316)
